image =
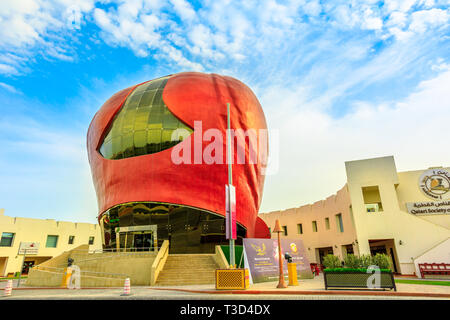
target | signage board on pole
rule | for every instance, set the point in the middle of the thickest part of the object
(29, 248)
(230, 207)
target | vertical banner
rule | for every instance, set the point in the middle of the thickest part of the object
(230, 207)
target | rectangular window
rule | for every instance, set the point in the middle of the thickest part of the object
(91, 240)
(339, 224)
(327, 223)
(299, 228)
(372, 199)
(314, 226)
(7, 239)
(285, 230)
(52, 241)
(71, 239)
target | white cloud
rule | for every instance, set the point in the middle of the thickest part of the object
(184, 9)
(7, 69)
(371, 20)
(312, 8)
(216, 32)
(399, 5)
(10, 88)
(314, 146)
(422, 20)
(31, 26)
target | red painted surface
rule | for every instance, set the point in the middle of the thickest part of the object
(190, 96)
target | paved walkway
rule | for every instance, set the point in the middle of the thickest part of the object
(307, 289)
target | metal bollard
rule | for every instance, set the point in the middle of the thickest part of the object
(292, 272)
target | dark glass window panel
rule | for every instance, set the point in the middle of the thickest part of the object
(144, 125)
(7, 239)
(52, 242)
(106, 149)
(116, 130)
(140, 143)
(166, 138)
(188, 230)
(126, 220)
(154, 141)
(147, 98)
(117, 147)
(141, 120)
(128, 121)
(155, 117)
(128, 145)
(169, 121)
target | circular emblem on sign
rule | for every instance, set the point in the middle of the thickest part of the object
(435, 184)
(293, 248)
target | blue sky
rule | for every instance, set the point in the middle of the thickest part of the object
(339, 80)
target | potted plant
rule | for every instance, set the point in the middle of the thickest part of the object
(366, 271)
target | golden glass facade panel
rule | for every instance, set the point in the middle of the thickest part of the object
(144, 124)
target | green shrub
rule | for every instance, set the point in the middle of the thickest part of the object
(365, 261)
(354, 270)
(352, 261)
(332, 261)
(382, 261)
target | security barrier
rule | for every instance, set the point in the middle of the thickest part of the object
(232, 279)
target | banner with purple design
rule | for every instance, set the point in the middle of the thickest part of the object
(261, 257)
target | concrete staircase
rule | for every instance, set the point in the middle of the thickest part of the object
(187, 269)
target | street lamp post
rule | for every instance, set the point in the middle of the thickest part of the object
(230, 193)
(277, 229)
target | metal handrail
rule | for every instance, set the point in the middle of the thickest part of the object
(38, 268)
(120, 254)
(130, 249)
(161, 257)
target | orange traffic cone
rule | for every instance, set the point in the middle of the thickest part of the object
(8, 288)
(126, 288)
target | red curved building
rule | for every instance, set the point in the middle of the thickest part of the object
(150, 148)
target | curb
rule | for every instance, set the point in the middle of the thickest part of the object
(57, 288)
(328, 292)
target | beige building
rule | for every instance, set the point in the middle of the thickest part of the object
(403, 214)
(37, 240)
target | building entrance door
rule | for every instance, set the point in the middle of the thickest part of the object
(324, 252)
(27, 265)
(378, 249)
(384, 246)
(143, 241)
(137, 238)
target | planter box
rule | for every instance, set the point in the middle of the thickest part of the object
(356, 279)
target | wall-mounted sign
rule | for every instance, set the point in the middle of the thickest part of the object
(149, 227)
(431, 207)
(261, 257)
(29, 248)
(435, 184)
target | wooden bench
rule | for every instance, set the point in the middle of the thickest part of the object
(434, 268)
